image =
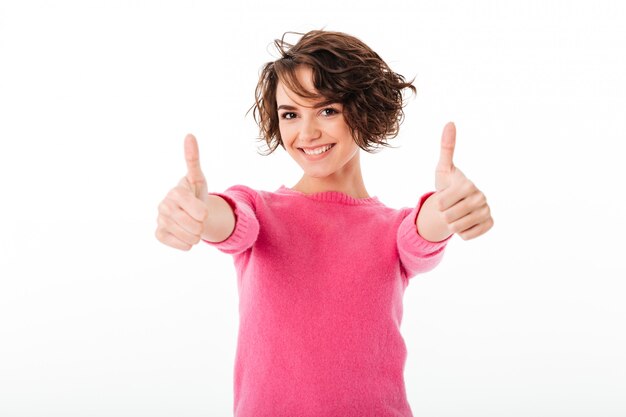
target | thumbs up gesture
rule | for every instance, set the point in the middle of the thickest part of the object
(457, 206)
(183, 214)
(194, 181)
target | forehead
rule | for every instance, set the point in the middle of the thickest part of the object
(304, 77)
(286, 96)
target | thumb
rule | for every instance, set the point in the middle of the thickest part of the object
(195, 176)
(448, 142)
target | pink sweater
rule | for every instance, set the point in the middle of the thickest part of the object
(321, 279)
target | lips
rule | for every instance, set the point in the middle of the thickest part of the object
(316, 147)
(318, 152)
(317, 156)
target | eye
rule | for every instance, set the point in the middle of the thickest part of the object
(329, 111)
(287, 115)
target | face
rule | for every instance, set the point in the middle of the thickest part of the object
(305, 126)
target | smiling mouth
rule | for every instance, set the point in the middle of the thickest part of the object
(325, 147)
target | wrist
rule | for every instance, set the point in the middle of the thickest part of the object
(430, 223)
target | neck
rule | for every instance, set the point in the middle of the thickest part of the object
(348, 181)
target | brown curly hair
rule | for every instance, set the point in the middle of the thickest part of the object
(345, 70)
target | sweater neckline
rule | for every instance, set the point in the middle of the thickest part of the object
(332, 196)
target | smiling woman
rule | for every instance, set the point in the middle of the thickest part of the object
(322, 266)
(317, 137)
(325, 98)
(343, 70)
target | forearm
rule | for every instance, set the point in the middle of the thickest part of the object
(430, 223)
(221, 220)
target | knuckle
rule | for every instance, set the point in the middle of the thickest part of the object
(173, 193)
(188, 238)
(162, 222)
(164, 208)
(176, 193)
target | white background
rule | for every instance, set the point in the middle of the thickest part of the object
(98, 318)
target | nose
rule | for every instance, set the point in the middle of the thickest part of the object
(309, 130)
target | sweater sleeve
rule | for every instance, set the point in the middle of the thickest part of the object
(417, 255)
(242, 200)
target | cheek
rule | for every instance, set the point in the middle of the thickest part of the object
(284, 134)
(342, 130)
(346, 140)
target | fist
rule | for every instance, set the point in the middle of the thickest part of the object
(457, 206)
(183, 213)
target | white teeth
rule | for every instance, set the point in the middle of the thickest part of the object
(318, 150)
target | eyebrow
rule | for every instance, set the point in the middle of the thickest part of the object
(289, 107)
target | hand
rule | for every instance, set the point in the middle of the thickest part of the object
(457, 206)
(183, 213)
